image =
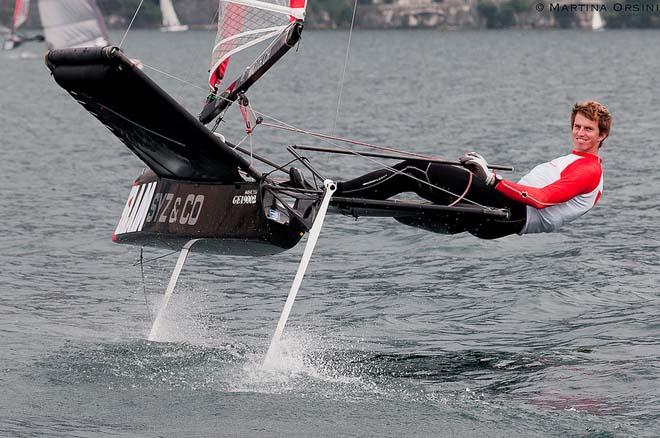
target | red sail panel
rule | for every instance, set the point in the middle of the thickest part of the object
(20, 13)
(218, 74)
(232, 23)
(295, 4)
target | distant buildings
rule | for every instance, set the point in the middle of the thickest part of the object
(462, 14)
(451, 14)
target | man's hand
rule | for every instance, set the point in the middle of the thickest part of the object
(479, 166)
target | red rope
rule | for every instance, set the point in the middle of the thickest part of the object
(246, 117)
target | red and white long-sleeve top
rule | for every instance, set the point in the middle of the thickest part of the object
(557, 192)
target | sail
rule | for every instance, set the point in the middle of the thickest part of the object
(72, 23)
(597, 21)
(245, 23)
(21, 10)
(170, 20)
(12, 38)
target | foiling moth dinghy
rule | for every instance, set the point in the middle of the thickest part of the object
(198, 190)
(206, 193)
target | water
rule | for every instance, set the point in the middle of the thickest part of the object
(395, 332)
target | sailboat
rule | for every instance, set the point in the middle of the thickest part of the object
(597, 22)
(13, 38)
(200, 189)
(66, 23)
(72, 23)
(171, 22)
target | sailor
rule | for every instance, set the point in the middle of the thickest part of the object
(552, 194)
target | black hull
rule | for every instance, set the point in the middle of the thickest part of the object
(236, 219)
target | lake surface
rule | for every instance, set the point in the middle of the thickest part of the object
(396, 331)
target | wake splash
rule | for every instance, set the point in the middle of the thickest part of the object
(303, 363)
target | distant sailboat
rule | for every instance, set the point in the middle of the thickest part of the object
(597, 22)
(13, 39)
(72, 23)
(171, 22)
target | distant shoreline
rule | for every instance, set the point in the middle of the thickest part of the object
(442, 15)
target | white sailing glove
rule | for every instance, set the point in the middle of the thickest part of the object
(479, 166)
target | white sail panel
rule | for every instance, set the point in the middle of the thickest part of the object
(72, 23)
(245, 23)
(597, 22)
(170, 19)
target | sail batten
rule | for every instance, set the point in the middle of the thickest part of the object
(256, 41)
(268, 30)
(298, 12)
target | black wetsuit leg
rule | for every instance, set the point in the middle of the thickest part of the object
(441, 184)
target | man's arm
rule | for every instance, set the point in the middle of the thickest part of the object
(578, 178)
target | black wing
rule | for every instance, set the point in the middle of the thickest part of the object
(172, 142)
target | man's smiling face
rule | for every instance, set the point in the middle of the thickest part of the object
(586, 135)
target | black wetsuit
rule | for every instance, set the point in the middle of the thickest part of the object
(385, 183)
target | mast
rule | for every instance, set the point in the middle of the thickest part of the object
(171, 22)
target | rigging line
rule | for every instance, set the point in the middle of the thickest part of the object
(288, 127)
(282, 167)
(246, 112)
(215, 16)
(174, 77)
(213, 19)
(240, 142)
(328, 138)
(131, 23)
(380, 163)
(251, 147)
(155, 258)
(343, 74)
(144, 286)
(142, 127)
(428, 183)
